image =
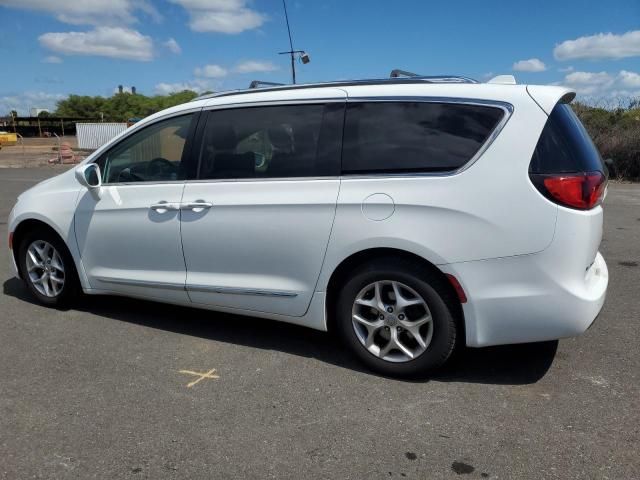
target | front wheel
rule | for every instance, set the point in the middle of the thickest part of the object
(397, 318)
(47, 268)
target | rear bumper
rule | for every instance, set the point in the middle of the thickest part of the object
(528, 298)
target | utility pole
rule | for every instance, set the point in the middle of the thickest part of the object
(303, 55)
(291, 52)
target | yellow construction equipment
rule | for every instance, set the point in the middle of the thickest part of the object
(8, 138)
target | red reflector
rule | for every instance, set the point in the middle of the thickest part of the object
(10, 240)
(457, 287)
(582, 191)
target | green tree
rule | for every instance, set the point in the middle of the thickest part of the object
(121, 106)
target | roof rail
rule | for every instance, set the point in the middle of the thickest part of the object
(259, 83)
(348, 83)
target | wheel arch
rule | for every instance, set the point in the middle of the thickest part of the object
(353, 261)
(27, 225)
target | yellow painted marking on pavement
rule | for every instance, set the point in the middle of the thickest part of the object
(202, 376)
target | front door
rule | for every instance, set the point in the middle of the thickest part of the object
(128, 232)
(256, 224)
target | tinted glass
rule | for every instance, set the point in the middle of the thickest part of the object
(153, 154)
(272, 142)
(414, 136)
(565, 146)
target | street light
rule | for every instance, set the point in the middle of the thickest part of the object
(302, 55)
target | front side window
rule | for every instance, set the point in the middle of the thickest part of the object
(272, 142)
(153, 154)
(414, 136)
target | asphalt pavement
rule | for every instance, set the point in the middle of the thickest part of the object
(118, 388)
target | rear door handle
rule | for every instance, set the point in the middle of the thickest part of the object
(164, 207)
(197, 206)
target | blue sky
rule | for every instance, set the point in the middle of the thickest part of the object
(50, 49)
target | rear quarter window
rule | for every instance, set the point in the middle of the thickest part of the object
(398, 137)
(565, 146)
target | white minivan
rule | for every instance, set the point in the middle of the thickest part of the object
(410, 215)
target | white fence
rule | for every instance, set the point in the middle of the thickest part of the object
(94, 135)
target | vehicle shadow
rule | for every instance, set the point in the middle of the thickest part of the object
(504, 365)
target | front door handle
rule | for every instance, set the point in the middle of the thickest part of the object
(197, 206)
(164, 207)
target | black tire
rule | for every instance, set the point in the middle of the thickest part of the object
(71, 286)
(433, 290)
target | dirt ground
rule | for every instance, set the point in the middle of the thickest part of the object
(33, 152)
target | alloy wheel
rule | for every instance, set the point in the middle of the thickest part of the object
(45, 268)
(392, 321)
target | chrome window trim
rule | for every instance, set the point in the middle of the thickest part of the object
(505, 106)
(262, 179)
(155, 182)
(223, 180)
(274, 103)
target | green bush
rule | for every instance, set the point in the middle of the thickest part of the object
(616, 133)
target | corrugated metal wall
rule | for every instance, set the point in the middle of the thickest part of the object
(94, 135)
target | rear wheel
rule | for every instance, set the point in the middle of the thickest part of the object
(396, 318)
(47, 268)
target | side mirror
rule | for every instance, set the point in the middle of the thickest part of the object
(89, 175)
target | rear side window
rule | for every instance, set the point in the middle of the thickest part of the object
(565, 146)
(414, 136)
(272, 142)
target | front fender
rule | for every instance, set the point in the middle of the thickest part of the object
(53, 203)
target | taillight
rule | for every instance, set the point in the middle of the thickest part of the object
(582, 191)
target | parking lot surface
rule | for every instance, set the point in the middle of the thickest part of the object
(118, 388)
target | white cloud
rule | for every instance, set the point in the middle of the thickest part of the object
(52, 59)
(603, 84)
(221, 16)
(629, 79)
(566, 69)
(92, 12)
(589, 83)
(167, 88)
(197, 85)
(254, 66)
(210, 71)
(600, 46)
(531, 65)
(114, 42)
(173, 46)
(22, 102)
